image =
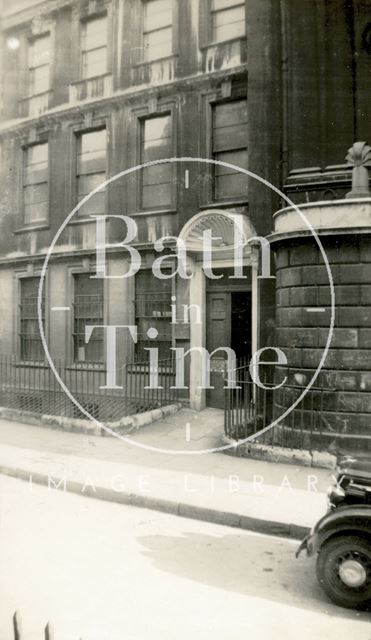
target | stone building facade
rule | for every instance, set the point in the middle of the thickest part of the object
(91, 88)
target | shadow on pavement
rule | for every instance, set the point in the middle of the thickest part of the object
(247, 564)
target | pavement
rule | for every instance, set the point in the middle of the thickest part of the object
(169, 466)
(102, 571)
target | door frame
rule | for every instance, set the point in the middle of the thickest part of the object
(197, 296)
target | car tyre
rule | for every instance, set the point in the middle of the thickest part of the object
(344, 570)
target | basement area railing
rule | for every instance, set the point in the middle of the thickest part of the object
(33, 387)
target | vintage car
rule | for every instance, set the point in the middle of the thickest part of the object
(341, 540)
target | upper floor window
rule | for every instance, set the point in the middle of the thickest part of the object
(31, 348)
(227, 19)
(158, 29)
(88, 310)
(229, 144)
(35, 183)
(156, 143)
(39, 65)
(91, 170)
(94, 47)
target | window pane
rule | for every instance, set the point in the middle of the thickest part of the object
(155, 10)
(154, 196)
(35, 183)
(39, 80)
(158, 32)
(228, 32)
(39, 52)
(216, 5)
(37, 154)
(87, 183)
(230, 126)
(158, 174)
(36, 193)
(35, 212)
(229, 183)
(94, 47)
(228, 20)
(230, 113)
(156, 144)
(30, 341)
(38, 64)
(93, 141)
(158, 44)
(238, 158)
(153, 309)
(156, 128)
(88, 310)
(94, 63)
(230, 145)
(91, 156)
(94, 34)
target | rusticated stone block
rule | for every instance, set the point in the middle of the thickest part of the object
(291, 317)
(290, 277)
(354, 402)
(316, 319)
(347, 294)
(350, 317)
(342, 338)
(307, 254)
(282, 258)
(365, 338)
(294, 356)
(365, 250)
(355, 273)
(356, 359)
(365, 382)
(324, 295)
(317, 275)
(366, 294)
(343, 253)
(311, 357)
(304, 337)
(282, 336)
(283, 297)
(303, 296)
(346, 380)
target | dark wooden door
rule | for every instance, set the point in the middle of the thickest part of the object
(218, 334)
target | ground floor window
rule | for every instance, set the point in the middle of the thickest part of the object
(153, 310)
(88, 310)
(31, 348)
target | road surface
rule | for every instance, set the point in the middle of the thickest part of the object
(102, 571)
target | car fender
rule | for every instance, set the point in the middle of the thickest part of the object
(344, 520)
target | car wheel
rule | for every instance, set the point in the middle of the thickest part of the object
(344, 570)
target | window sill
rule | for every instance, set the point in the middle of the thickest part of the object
(90, 79)
(217, 43)
(145, 63)
(32, 364)
(220, 204)
(35, 227)
(84, 220)
(153, 212)
(85, 366)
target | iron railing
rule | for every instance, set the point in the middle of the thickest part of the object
(251, 408)
(33, 387)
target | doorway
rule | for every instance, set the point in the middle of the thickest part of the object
(228, 324)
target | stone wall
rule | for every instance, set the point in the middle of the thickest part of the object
(303, 283)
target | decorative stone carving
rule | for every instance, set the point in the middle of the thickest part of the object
(359, 155)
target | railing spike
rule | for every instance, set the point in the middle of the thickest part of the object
(17, 626)
(49, 635)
